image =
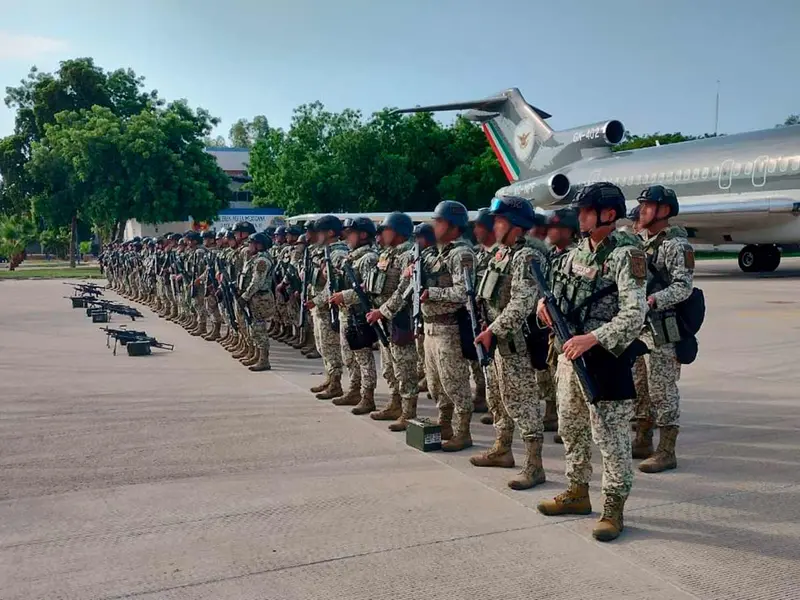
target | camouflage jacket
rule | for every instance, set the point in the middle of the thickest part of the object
(672, 257)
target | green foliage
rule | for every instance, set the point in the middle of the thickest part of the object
(634, 142)
(338, 162)
(16, 232)
(92, 144)
(86, 247)
(55, 241)
(244, 133)
(790, 120)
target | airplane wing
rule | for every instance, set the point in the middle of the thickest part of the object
(750, 218)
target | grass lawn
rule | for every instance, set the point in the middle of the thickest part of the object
(52, 273)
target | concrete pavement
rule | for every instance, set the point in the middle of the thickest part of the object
(182, 475)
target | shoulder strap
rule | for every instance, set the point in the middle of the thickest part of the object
(592, 299)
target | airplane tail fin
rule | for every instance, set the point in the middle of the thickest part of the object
(515, 129)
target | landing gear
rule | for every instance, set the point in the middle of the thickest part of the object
(759, 257)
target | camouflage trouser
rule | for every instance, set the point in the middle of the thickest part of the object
(399, 369)
(241, 322)
(512, 398)
(212, 308)
(262, 309)
(360, 363)
(281, 315)
(293, 311)
(446, 368)
(641, 408)
(199, 303)
(421, 356)
(607, 423)
(327, 341)
(663, 373)
(546, 385)
(477, 374)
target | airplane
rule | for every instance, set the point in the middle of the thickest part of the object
(740, 189)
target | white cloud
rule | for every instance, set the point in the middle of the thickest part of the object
(20, 46)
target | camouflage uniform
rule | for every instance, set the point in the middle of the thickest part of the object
(616, 321)
(198, 262)
(399, 360)
(257, 292)
(445, 366)
(360, 363)
(326, 338)
(482, 258)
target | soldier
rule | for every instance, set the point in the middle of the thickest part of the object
(256, 296)
(562, 227)
(280, 329)
(245, 351)
(360, 361)
(327, 230)
(399, 360)
(309, 349)
(509, 293)
(670, 260)
(443, 301)
(210, 302)
(484, 248)
(599, 285)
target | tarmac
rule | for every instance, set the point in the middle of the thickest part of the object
(183, 475)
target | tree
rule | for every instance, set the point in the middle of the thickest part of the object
(634, 142)
(791, 120)
(16, 232)
(55, 241)
(214, 142)
(244, 133)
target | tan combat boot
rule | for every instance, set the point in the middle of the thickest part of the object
(409, 412)
(201, 329)
(366, 405)
(334, 389)
(390, 412)
(252, 356)
(351, 398)
(550, 416)
(532, 473)
(574, 501)
(499, 455)
(213, 335)
(664, 458)
(262, 364)
(611, 523)
(461, 435)
(642, 446)
(446, 422)
(479, 400)
(487, 419)
(322, 386)
(230, 341)
(244, 350)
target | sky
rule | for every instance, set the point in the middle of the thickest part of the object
(653, 64)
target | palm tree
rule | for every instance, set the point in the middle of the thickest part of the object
(16, 232)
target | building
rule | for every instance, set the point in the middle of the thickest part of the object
(234, 162)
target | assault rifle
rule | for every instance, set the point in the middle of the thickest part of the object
(418, 287)
(563, 333)
(365, 303)
(304, 287)
(125, 336)
(484, 357)
(227, 296)
(334, 310)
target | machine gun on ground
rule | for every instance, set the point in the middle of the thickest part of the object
(138, 343)
(114, 307)
(86, 289)
(365, 303)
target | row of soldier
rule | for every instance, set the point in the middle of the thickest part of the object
(345, 286)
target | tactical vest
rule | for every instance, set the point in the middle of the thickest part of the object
(383, 281)
(663, 324)
(581, 280)
(495, 284)
(436, 272)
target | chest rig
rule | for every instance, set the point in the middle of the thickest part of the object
(437, 272)
(385, 278)
(663, 324)
(580, 281)
(494, 286)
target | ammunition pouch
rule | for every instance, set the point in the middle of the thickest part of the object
(468, 349)
(358, 333)
(538, 342)
(614, 374)
(401, 329)
(508, 346)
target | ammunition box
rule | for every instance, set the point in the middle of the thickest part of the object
(138, 348)
(100, 316)
(78, 303)
(93, 309)
(424, 435)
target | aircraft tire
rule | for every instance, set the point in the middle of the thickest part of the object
(771, 258)
(750, 258)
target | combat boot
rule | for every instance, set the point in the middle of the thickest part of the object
(499, 455)
(300, 340)
(611, 523)
(532, 473)
(313, 354)
(558, 439)
(214, 335)
(334, 389)
(479, 400)
(252, 356)
(273, 327)
(487, 419)
(461, 435)
(351, 398)
(390, 412)
(262, 364)
(322, 386)
(642, 446)
(367, 404)
(550, 416)
(422, 385)
(574, 501)
(446, 422)
(230, 341)
(664, 457)
(286, 336)
(201, 329)
(244, 350)
(173, 315)
(409, 412)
